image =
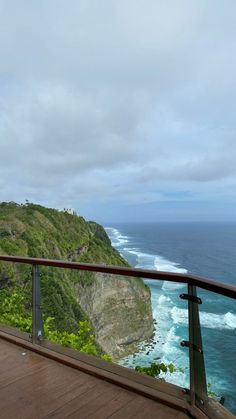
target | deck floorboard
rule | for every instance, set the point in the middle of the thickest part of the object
(32, 386)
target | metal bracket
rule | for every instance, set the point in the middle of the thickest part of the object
(186, 390)
(191, 298)
(186, 343)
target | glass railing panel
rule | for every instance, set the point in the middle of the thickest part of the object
(63, 318)
(136, 323)
(218, 325)
(16, 296)
(100, 314)
(170, 320)
(128, 321)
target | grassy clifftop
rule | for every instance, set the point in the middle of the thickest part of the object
(36, 231)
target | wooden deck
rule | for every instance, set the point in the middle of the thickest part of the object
(34, 386)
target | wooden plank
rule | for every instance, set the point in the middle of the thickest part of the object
(142, 408)
(15, 332)
(128, 373)
(182, 415)
(120, 380)
(75, 406)
(47, 389)
(52, 382)
(38, 387)
(17, 372)
(18, 363)
(98, 403)
(47, 405)
(47, 386)
(113, 405)
(36, 399)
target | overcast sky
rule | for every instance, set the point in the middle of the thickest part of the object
(123, 110)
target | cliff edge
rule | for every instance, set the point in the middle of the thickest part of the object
(117, 308)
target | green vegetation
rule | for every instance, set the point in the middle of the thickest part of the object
(35, 231)
(210, 392)
(155, 369)
(14, 312)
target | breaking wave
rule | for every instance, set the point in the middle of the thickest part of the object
(171, 319)
(117, 239)
(208, 320)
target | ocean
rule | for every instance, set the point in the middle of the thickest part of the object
(204, 249)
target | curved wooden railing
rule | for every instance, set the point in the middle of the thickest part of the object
(197, 281)
(198, 385)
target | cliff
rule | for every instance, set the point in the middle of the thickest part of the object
(118, 309)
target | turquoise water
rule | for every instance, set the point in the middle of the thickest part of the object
(202, 249)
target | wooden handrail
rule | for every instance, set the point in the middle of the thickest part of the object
(204, 283)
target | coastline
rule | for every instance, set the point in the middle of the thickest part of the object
(138, 244)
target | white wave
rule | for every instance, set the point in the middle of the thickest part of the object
(117, 239)
(162, 264)
(169, 347)
(163, 299)
(179, 315)
(165, 346)
(230, 320)
(172, 352)
(172, 286)
(146, 260)
(208, 320)
(150, 261)
(178, 378)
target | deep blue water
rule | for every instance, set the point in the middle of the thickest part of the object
(205, 249)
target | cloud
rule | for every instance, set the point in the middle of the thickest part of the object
(113, 102)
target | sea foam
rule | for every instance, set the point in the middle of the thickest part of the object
(208, 320)
(163, 299)
(117, 239)
(171, 320)
(145, 260)
(172, 286)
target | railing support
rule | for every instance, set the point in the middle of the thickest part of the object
(198, 385)
(37, 327)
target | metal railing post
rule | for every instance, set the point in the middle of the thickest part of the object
(37, 326)
(198, 385)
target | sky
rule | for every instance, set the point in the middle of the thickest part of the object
(122, 110)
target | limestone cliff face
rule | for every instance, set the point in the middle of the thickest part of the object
(120, 311)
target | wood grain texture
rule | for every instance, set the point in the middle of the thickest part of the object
(32, 386)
